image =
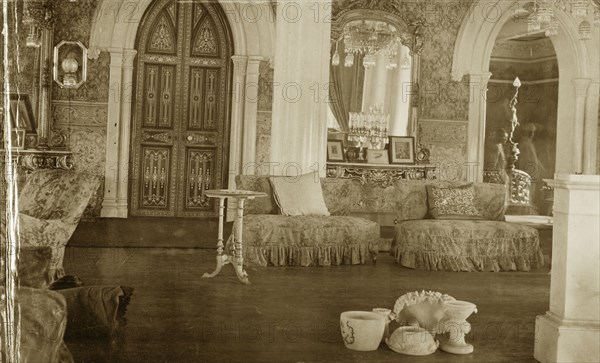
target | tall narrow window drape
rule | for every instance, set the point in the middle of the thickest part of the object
(346, 87)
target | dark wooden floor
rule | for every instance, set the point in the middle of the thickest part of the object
(289, 314)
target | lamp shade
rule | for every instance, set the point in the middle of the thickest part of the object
(69, 65)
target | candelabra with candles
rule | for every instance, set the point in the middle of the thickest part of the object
(369, 129)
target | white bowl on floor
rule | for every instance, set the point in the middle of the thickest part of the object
(362, 330)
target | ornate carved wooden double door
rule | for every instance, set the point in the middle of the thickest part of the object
(181, 119)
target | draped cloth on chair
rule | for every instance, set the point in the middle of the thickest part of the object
(346, 88)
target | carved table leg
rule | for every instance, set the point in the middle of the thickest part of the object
(221, 259)
(238, 257)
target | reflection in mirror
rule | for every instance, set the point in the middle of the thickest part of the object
(373, 72)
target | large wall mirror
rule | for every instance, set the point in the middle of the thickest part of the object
(374, 73)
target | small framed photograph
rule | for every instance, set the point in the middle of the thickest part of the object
(18, 139)
(402, 150)
(377, 156)
(335, 150)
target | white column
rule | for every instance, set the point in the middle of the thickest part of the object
(237, 117)
(118, 125)
(476, 128)
(590, 141)
(299, 129)
(125, 127)
(111, 171)
(250, 115)
(570, 330)
(581, 86)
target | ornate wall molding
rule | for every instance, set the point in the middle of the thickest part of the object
(77, 113)
(530, 51)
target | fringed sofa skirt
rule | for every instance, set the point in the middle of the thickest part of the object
(277, 240)
(466, 245)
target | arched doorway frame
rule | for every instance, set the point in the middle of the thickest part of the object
(114, 30)
(579, 84)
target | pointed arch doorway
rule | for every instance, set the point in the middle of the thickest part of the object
(181, 117)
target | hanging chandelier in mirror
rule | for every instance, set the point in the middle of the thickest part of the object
(369, 38)
(543, 18)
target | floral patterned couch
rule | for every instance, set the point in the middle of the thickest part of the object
(486, 244)
(279, 240)
(352, 233)
(51, 204)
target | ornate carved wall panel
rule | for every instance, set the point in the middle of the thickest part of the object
(181, 123)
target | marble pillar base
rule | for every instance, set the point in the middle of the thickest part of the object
(559, 340)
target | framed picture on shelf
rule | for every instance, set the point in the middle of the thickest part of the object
(335, 150)
(402, 150)
(377, 156)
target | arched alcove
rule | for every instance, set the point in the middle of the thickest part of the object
(579, 82)
(114, 30)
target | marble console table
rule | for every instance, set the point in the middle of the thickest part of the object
(380, 175)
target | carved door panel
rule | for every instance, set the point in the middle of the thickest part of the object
(181, 119)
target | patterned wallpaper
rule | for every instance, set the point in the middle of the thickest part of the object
(73, 22)
(447, 142)
(264, 117)
(81, 114)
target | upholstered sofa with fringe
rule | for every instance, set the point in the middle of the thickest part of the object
(274, 239)
(351, 234)
(470, 240)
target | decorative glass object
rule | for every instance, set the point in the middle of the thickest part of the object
(70, 64)
(349, 60)
(585, 30)
(533, 23)
(370, 38)
(369, 129)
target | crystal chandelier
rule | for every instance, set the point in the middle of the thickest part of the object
(369, 129)
(543, 15)
(370, 38)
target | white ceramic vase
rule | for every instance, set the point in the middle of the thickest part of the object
(362, 330)
(455, 323)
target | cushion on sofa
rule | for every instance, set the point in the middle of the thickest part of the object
(467, 245)
(337, 193)
(308, 240)
(300, 195)
(411, 200)
(257, 183)
(452, 202)
(412, 204)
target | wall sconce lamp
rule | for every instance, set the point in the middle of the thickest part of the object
(70, 64)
